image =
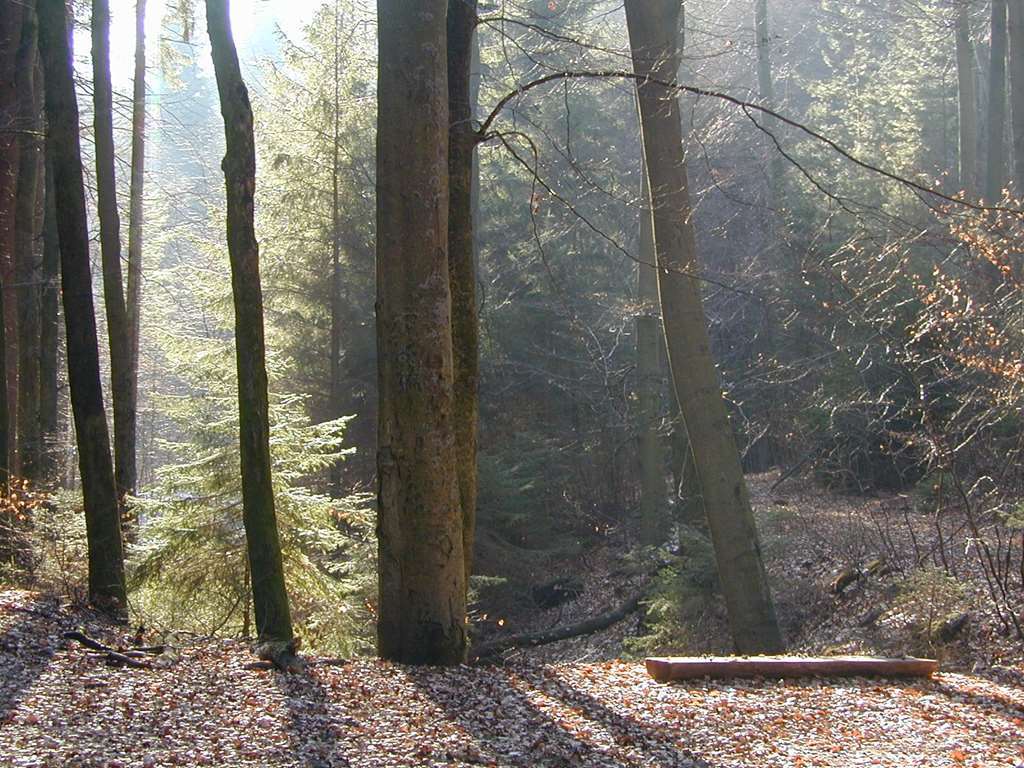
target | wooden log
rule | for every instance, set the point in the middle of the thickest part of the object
(664, 669)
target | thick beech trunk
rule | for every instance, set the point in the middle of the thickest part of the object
(49, 333)
(133, 307)
(102, 518)
(422, 577)
(25, 253)
(270, 598)
(110, 249)
(967, 101)
(995, 167)
(462, 260)
(1016, 77)
(653, 28)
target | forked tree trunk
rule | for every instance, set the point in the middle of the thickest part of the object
(135, 213)
(118, 332)
(462, 260)
(49, 333)
(422, 610)
(995, 173)
(653, 26)
(270, 598)
(25, 254)
(967, 101)
(102, 518)
(1016, 76)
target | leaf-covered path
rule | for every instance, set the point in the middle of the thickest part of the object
(61, 706)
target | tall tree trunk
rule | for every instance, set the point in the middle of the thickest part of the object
(10, 44)
(766, 93)
(462, 260)
(270, 598)
(995, 173)
(1016, 68)
(336, 282)
(653, 26)
(422, 609)
(118, 331)
(5, 419)
(135, 195)
(967, 101)
(49, 333)
(649, 339)
(102, 518)
(25, 253)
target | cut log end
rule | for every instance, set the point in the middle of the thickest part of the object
(666, 669)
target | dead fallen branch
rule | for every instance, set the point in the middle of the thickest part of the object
(665, 669)
(533, 639)
(127, 658)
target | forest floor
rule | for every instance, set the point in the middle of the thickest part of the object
(572, 703)
(62, 706)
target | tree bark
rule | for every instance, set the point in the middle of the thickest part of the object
(665, 669)
(462, 261)
(49, 333)
(118, 332)
(967, 103)
(421, 566)
(995, 169)
(766, 92)
(270, 598)
(1015, 28)
(336, 283)
(133, 308)
(649, 339)
(102, 518)
(653, 30)
(25, 253)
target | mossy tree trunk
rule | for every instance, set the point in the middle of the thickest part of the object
(462, 260)
(102, 518)
(118, 332)
(421, 566)
(270, 598)
(653, 29)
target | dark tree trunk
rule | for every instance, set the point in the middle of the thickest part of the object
(995, 174)
(10, 44)
(422, 609)
(49, 334)
(653, 29)
(462, 260)
(110, 248)
(967, 102)
(1016, 69)
(270, 598)
(102, 518)
(25, 252)
(5, 419)
(134, 301)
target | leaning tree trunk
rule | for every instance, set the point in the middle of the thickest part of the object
(1016, 77)
(25, 269)
(49, 333)
(967, 101)
(102, 518)
(995, 168)
(421, 567)
(270, 598)
(462, 260)
(118, 332)
(133, 307)
(653, 26)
